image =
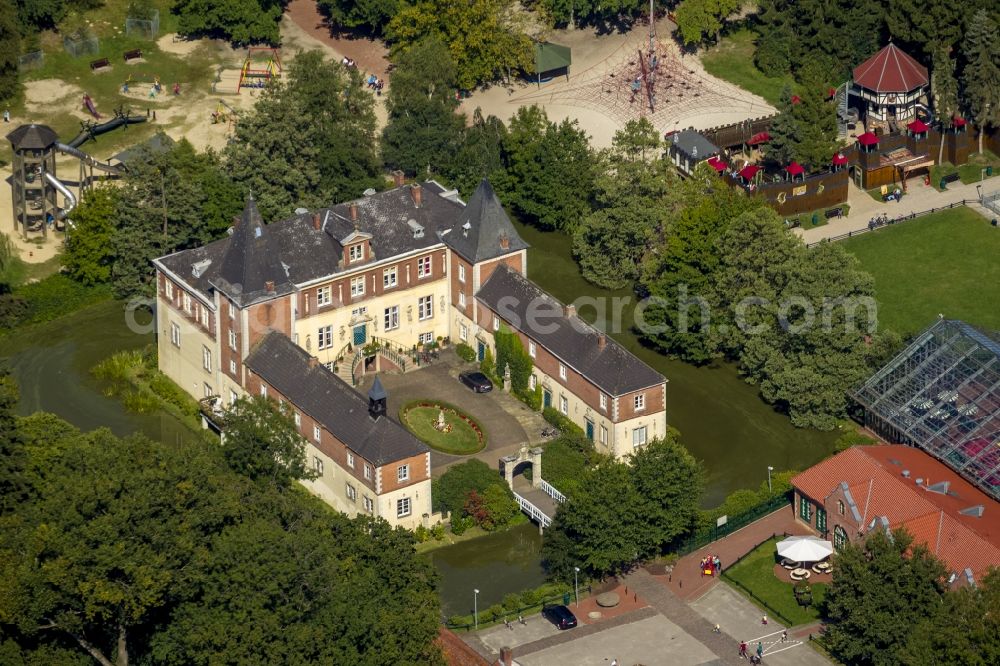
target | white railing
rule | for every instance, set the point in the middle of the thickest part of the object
(533, 511)
(550, 490)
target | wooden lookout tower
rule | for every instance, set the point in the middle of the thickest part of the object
(34, 185)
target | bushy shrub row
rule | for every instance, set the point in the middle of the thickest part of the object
(523, 603)
(563, 423)
(465, 352)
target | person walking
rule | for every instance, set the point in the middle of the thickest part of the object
(743, 649)
(763, 620)
(784, 635)
(760, 650)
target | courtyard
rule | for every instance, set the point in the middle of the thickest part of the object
(506, 422)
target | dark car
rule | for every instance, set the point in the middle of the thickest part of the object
(560, 616)
(476, 381)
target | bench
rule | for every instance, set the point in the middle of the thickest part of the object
(834, 212)
(99, 64)
(950, 178)
(134, 54)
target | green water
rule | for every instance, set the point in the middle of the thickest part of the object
(496, 565)
(52, 363)
(722, 419)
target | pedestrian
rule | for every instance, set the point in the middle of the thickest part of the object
(743, 649)
(718, 564)
(760, 649)
(784, 635)
(717, 629)
(763, 620)
(6, 115)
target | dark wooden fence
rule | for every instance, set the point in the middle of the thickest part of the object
(897, 220)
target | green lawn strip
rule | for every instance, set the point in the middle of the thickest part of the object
(421, 420)
(938, 264)
(755, 573)
(732, 60)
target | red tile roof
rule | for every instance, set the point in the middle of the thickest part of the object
(890, 71)
(874, 475)
(456, 652)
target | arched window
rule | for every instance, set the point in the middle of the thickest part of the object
(839, 537)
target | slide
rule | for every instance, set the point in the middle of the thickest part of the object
(89, 103)
(88, 160)
(89, 133)
(70, 198)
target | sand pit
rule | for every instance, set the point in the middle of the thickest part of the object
(45, 96)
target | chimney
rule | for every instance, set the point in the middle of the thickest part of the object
(313, 362)
(316, 222)
(504, 241)
(569, 310)
(417, 194)
(506, 656)
(353, 208)
(602, 340)
(398, 177)
(269, 285)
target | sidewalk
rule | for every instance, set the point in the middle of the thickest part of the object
(919, 197)
(686, 580)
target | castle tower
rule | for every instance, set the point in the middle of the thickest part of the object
(376, 399)
(33, 182)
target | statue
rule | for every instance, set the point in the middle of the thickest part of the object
(506, 377)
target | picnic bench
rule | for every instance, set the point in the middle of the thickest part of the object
(134, 54)
(100, 63)
(950, 178)
(834, 212)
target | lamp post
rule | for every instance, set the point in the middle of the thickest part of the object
(576, 585)
(475, 607)
(769, 470)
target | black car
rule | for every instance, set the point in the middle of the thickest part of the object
(560, 616)
(476, 381)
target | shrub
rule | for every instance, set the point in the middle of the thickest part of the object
(120, 366)
(852, 438)
(437, 532)
(452, 488)
(563, 423)
(511, 354)
(460, 523)
(488, 366)
(465, 352)
(55, 296)
(422, 534)
(531, 398)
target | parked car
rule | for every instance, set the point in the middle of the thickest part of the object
(476, 381)
(560, 616)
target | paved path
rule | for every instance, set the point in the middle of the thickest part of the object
(686, 580)
(919, 197)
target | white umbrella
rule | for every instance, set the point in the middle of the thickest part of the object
(804, 548)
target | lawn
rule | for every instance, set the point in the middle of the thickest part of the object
(463, 435)
(755, 572)
(970, 172)
(732, 60)
(944, 263)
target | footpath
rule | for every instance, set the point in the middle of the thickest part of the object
(919, 197)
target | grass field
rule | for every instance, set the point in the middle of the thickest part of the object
(462, 439)
(945, 263)
(970, 172)
(756, 573)
(732, 60)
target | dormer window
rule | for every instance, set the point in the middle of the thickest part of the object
(357, 252)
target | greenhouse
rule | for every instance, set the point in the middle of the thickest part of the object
(942, 394)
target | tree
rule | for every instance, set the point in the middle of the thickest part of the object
(452, 488)
(237, 21)
(479, 154)
(944, 91)
(90, 254)
(10, 49)
(511, 353)
(881, 589)
(12, 458)
(632, 205)
(805, 130)
(604, 14)
(486, 38)
(670, 482)
(262, 442)
(309, 140)
(550, 170)
(369, 15)
(424, 130)
(981, 76)
(698, 19)
(924, 26)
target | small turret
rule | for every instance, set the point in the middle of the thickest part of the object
(376, 399)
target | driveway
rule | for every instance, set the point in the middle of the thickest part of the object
(506, 420)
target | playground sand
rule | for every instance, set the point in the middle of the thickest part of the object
(49, 97)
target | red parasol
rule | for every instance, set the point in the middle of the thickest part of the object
(759, 137)
(749, 171)
(795, 169)
(840, 159)
(958, 121)
(868, 139)
(917, 126)
(717, 164)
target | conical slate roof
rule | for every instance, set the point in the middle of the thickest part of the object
(249, 262)
(484, 231)
(377, 391)
(32, 137)
(890, 71)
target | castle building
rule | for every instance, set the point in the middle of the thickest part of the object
(296, 309)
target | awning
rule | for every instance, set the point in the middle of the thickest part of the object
(717, 164)
(868, 139)
(840, 159)
(749, 171)
(917, 126)
(804, 548)
(759, 137)
(795, 169)
(549, 57)
(959, 122)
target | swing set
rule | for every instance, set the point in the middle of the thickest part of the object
(261, 65)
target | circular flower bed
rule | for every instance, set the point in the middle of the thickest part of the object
(460, 436)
